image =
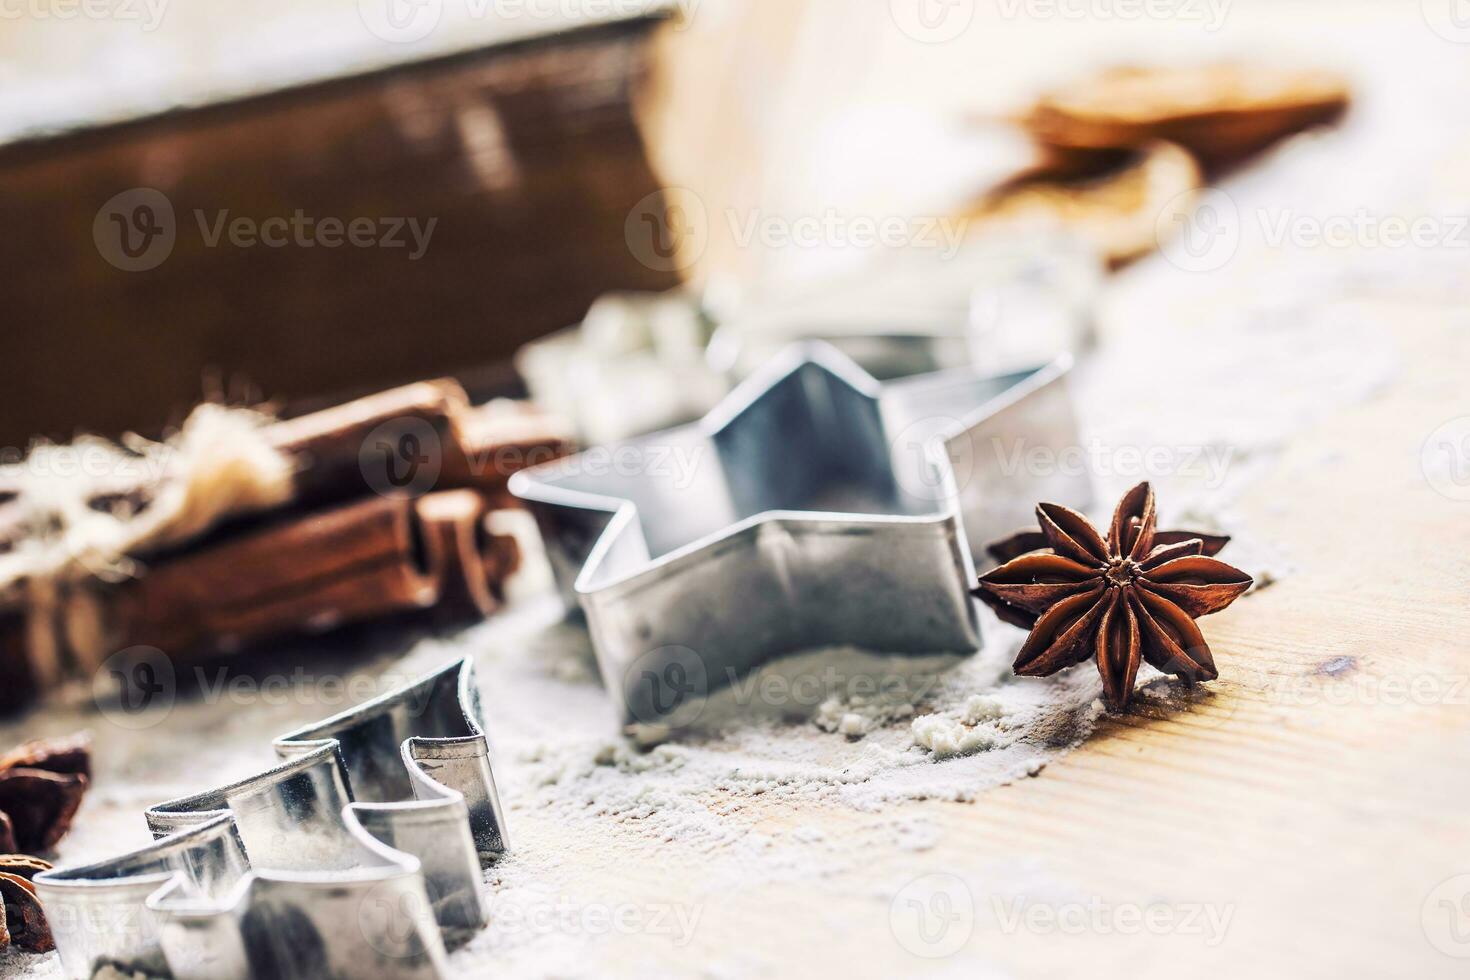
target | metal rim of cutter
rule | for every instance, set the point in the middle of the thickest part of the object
(358, 855)
(747, 561)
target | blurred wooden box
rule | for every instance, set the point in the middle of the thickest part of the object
(524, 154)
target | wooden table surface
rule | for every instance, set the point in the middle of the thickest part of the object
(1320, 797)
(1309, 818)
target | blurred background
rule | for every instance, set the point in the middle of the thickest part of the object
(499, 158)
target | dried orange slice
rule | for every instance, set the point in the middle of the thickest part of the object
(1220, 113)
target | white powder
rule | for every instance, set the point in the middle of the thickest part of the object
(977, 728)
(860, 714)
(947, 737)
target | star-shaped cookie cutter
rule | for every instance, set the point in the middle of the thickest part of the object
(356, 857)
(814, 506)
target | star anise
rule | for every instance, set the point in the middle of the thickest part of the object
(41, 785)
(1131, 598)
(22, 922)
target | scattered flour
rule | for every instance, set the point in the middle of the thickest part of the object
(861, 714)
(978, 728)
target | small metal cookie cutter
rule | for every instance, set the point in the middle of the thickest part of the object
(814, 506)
(356, 857)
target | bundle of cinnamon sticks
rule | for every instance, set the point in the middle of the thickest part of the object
(390, 507)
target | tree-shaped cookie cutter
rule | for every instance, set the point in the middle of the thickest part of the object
(358, 856)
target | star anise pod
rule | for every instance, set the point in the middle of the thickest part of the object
(64, 754)
(1130, 598)
(23, 924)
(41, 785)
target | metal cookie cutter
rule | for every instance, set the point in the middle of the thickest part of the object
(814, 506)
(356, 857)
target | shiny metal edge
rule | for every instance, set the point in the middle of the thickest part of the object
(904, 578)
(287, 874)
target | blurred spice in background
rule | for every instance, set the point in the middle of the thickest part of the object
(1121, 152)
(41, 786)
(241, 529)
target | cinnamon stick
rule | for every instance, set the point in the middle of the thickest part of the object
(374, 444)
(499, 439)
(323, 560)
(17, 682)
(500, 556)
(346, 564)
(331, 448)
(476, 562)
